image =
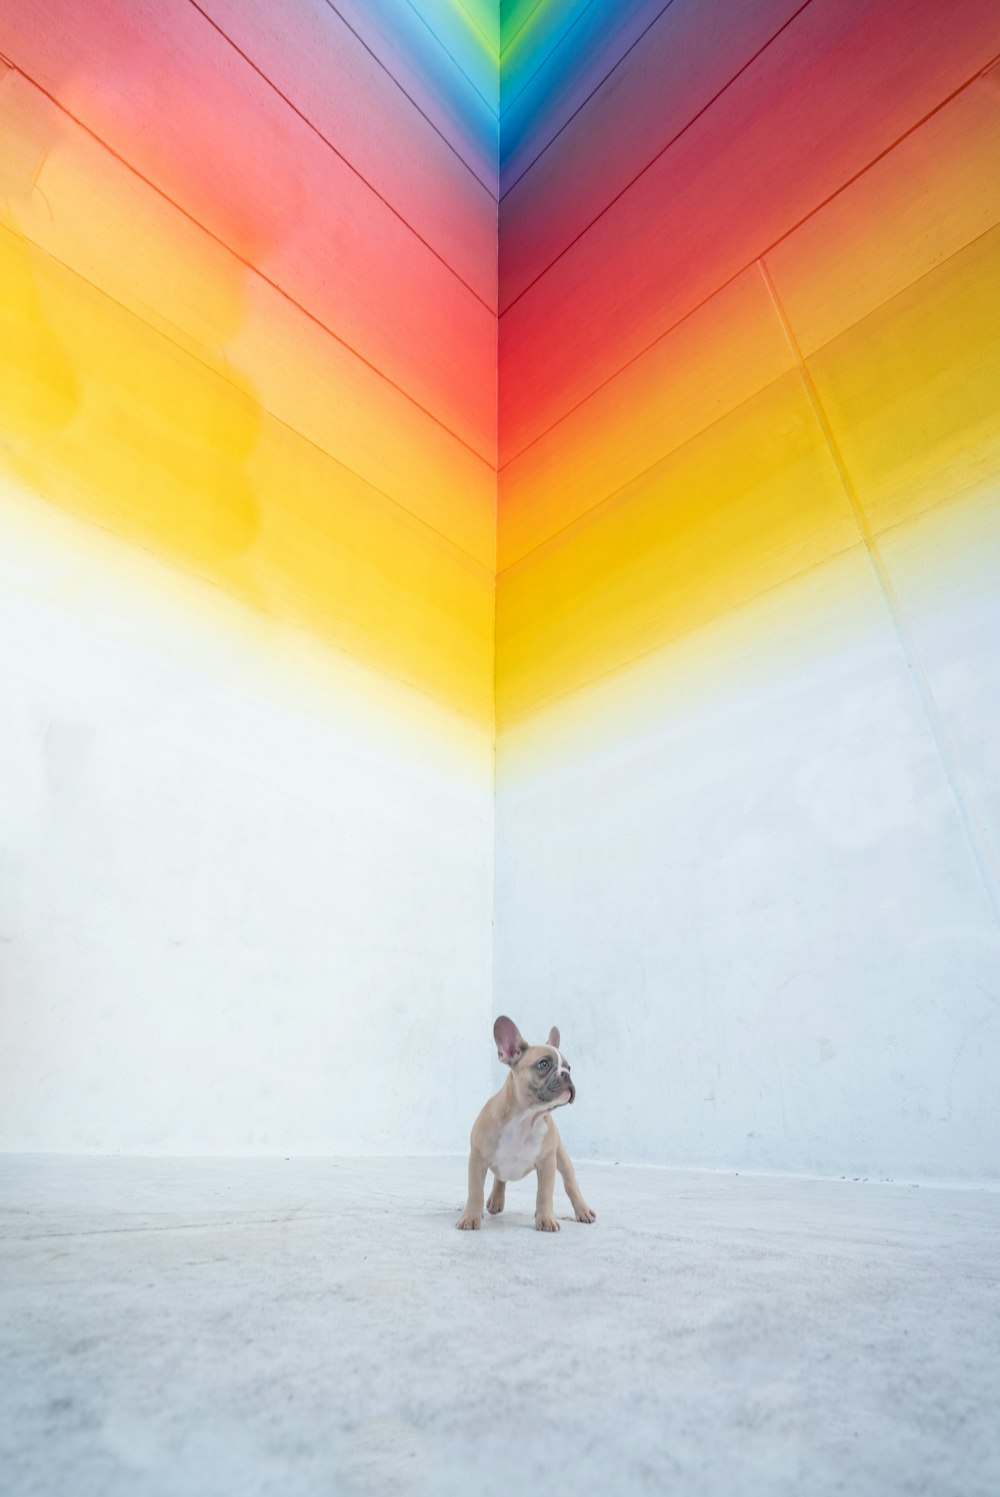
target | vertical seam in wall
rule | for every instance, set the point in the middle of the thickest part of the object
(496, 543)
(963, 800)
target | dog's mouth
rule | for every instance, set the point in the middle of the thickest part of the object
(561, 1098)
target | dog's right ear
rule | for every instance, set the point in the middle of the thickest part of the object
(510, 1045)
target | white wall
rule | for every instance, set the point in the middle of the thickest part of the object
(245, 892)
(738, 878)
(245, 886)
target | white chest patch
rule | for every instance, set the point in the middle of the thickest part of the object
(518, 1148)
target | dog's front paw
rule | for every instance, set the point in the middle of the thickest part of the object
(468, 1223)
(584, 1213)
(546, 1224)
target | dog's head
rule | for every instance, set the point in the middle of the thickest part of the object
(540, 1073)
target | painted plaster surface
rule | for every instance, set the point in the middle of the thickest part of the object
(318, 1327)
(604, 392)
(748, 807)
(247, 527)
(214, 873)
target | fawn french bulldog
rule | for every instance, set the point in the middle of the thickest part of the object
(515, 1132)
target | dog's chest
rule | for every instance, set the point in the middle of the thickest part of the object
(518, 1148)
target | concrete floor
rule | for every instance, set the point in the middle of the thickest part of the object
(262, 1326)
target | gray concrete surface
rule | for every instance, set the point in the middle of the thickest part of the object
(318, 1326)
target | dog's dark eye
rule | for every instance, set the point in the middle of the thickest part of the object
(543, 1065)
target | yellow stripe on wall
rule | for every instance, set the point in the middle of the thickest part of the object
(119, 426)
(746, 505)
(913, 391)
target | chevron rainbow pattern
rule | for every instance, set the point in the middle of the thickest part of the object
(585, 412)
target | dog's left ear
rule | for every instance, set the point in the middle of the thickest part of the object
(510, 1043)
(554, 1037)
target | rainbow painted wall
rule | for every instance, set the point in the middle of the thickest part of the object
(247, 500)
(748, 595)
(609, 391)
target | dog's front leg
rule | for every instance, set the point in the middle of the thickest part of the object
(565, 1168)
(472, 1217)
(545, 1217)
